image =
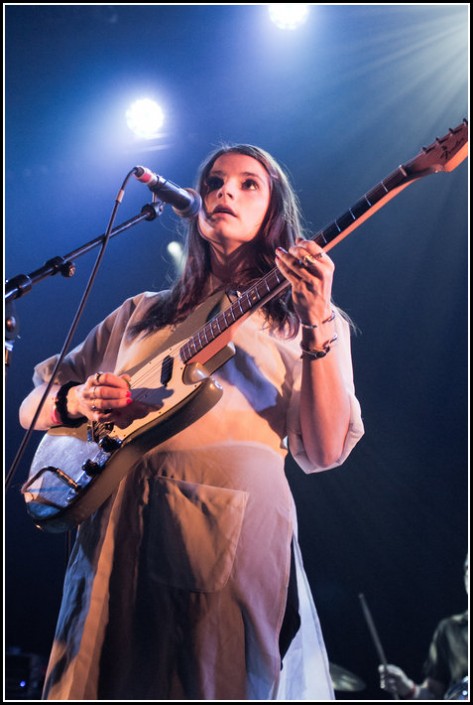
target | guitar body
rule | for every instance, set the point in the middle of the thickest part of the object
(75, 469)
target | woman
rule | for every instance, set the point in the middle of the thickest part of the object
(188, 582)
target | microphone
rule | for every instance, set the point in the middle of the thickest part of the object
(185, 202)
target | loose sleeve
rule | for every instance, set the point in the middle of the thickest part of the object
(100, 348)
(355, 428)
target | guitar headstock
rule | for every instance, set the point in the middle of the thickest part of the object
(445, 154)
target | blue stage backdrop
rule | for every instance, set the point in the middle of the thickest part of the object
(341, 102)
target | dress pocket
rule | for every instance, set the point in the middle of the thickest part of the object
(193, 535)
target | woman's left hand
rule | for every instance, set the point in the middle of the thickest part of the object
(310, 272)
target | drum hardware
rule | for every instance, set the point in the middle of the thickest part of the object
(343, 680)
(458, 691)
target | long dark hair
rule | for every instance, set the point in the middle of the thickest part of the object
(280, 228)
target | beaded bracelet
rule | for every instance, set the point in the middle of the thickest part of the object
(60, 413)
(316, 325)
(316, 354)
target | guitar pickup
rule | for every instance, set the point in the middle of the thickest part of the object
(166, 370)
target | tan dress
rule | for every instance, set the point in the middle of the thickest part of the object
(178, 586)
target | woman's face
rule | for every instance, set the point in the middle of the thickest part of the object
(239, 191)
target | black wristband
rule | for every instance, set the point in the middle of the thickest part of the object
(61, 406)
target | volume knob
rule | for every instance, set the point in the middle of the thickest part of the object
(91, 467)
(109, 444)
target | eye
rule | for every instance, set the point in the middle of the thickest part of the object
(250, 185)
(213, 183)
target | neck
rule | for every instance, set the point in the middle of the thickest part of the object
(228, 266)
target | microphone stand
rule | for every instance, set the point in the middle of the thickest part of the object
(21, 284)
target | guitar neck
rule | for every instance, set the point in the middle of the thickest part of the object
(442, 155)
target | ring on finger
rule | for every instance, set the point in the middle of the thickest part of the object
(94, 408)
(98, 376)
(310, 260)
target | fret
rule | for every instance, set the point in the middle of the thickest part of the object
(245, 302)
(360, 207)
(253, 296)
(274, 278)
(395, 179)
(376, 194)
(200, 339)
(328, 234)
(345, 220)
(230, 312)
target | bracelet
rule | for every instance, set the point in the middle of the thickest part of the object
(411, 694)
(330, 318)
(316, 354)
(60, 413)
(316, 325)
(55, 420)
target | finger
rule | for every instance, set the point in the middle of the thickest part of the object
(307, 261)
(310, 245)
(111, 400)
(311, 251)
(290, 264)
(301, 279)
(127, 379)
(311, 262)
(109, 393)
(108, 379)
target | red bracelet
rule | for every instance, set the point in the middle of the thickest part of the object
(55, 420)
(411, 694)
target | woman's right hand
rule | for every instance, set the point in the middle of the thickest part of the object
(106, 398)
(101, 395)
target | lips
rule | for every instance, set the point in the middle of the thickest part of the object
(223, 210)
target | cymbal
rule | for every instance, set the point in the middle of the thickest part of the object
(344, 680)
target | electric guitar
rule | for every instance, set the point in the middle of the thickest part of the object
(75, 470)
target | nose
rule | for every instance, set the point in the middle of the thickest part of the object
(225, 189)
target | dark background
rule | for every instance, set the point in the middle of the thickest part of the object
(341, 102)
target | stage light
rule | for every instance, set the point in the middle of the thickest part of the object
(145, 118)
(288, 16)
(177, 253)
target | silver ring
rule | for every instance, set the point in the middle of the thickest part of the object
(98, 376)
(94, 408)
